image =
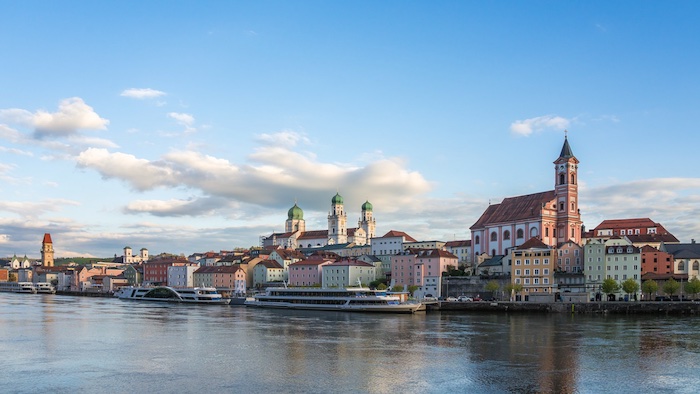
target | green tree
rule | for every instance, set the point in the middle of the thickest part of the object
(513, 288)
(412, 288)
(381, 286)
(493, 286)
(693, 286)
(670, 287)
(610, 286)
(650, 286)
(630, 286)
(12, 277)
(397, 288)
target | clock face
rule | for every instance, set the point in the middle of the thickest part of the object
(562, 168)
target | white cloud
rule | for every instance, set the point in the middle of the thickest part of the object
(72, 115)
(185, 120)
(528, 126)
(141, 94)
(15, 151)
(140, 173)
(286, 138)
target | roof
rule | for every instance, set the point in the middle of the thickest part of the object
(566, 152)
(533, 243)
(314, 234)
(288, 254)
(47, 239)
(394, 233)
(684, 251)
(514, 209)
(218, 269)
(350, 263)
(311, 262)
(456, 244)
(653, 238)
(270, 264)
(492, 262)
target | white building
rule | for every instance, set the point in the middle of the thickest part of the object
(181, 275)
(346, 273)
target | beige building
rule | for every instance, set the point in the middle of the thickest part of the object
(533, 268)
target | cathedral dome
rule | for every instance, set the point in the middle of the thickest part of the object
(337, 199)
(295, 213)
(366, 206)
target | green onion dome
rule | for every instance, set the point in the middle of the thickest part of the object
(337, 199)
(295, 213)
(367, 206)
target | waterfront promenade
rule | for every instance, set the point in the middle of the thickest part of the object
(612, 307)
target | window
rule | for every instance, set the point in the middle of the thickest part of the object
(545, 271)
(537, 261)
(545, 281)
(527, 272)
(622, 232)
(519, 233)
(546, 262)
(527, 281)
(517, 262)
(681, 266)
(476, 240)
(506, 235)
(527, 261)
(573, 179)
(517, 272)
(696, 265)
(536, 272)
(494, 236)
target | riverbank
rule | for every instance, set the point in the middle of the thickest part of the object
(84, 294)
(620, 307)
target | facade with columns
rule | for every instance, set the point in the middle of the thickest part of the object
(552, 216)
(338, 233)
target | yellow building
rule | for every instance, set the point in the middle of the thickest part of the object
(533, 268)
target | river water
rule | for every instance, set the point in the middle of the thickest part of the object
(63, 344)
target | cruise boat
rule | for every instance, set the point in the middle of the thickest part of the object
(18, 287)
(196, 295)
(348, 299)
(44, 288)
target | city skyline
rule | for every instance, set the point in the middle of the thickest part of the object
(183, 127)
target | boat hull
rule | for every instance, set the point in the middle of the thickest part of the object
(401, 308)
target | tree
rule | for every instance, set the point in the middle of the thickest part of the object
(650, 286)
(397, 288)
(412, 288)
(12, 277)
(671, 287)
(513, 288)
(693, 286)
(493, 286)
(610, 286)
(381, 286)
(630, 286)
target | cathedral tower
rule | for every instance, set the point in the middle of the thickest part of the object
(566, 194)
(47, 251)
(295, 220)
(337, 222)
(367, 221)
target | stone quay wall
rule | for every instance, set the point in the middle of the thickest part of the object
(620, 307)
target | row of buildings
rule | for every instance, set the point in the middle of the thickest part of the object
(537, 241)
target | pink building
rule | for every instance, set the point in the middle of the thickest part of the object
(569, 257)
(307, 272)
(422, 268)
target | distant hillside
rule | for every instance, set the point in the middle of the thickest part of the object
(80, 260)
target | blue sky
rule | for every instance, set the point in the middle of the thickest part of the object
(185, 126)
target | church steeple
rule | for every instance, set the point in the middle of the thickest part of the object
(566, 191)
(47, 251)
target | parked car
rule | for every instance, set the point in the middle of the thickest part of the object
(464, 299)
(451, 299)
(477, 299)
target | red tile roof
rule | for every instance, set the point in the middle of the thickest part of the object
(514, 209)
(533, 243)
(314, 234)
(456, 244)
(47, 238)
(394, 233)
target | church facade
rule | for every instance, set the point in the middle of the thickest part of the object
(552, 216)
(296, 235)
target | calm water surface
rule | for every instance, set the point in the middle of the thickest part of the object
(67, 344)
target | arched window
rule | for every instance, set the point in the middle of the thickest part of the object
(573, 206)
(494, 236)
(476, 240)
(681, 266)
(561, 206)
(561, 179)
(696, 266)
(519, 233)
(506, 235)
(573, 179)
(546, 231)
(533, 232)
(493, 252)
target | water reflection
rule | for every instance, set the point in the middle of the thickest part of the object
(66, 344)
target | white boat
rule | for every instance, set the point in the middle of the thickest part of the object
(18, 287)
(348, 299)
(196, 295)
(44, 288)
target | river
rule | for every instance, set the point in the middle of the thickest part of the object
(64, 344)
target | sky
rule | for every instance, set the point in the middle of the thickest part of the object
(189, 126)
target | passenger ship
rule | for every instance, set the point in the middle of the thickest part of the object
(348, 300)
(17, 287)
(196, 295)
(44, 288)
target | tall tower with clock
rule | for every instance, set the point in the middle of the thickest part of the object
(566, 194)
